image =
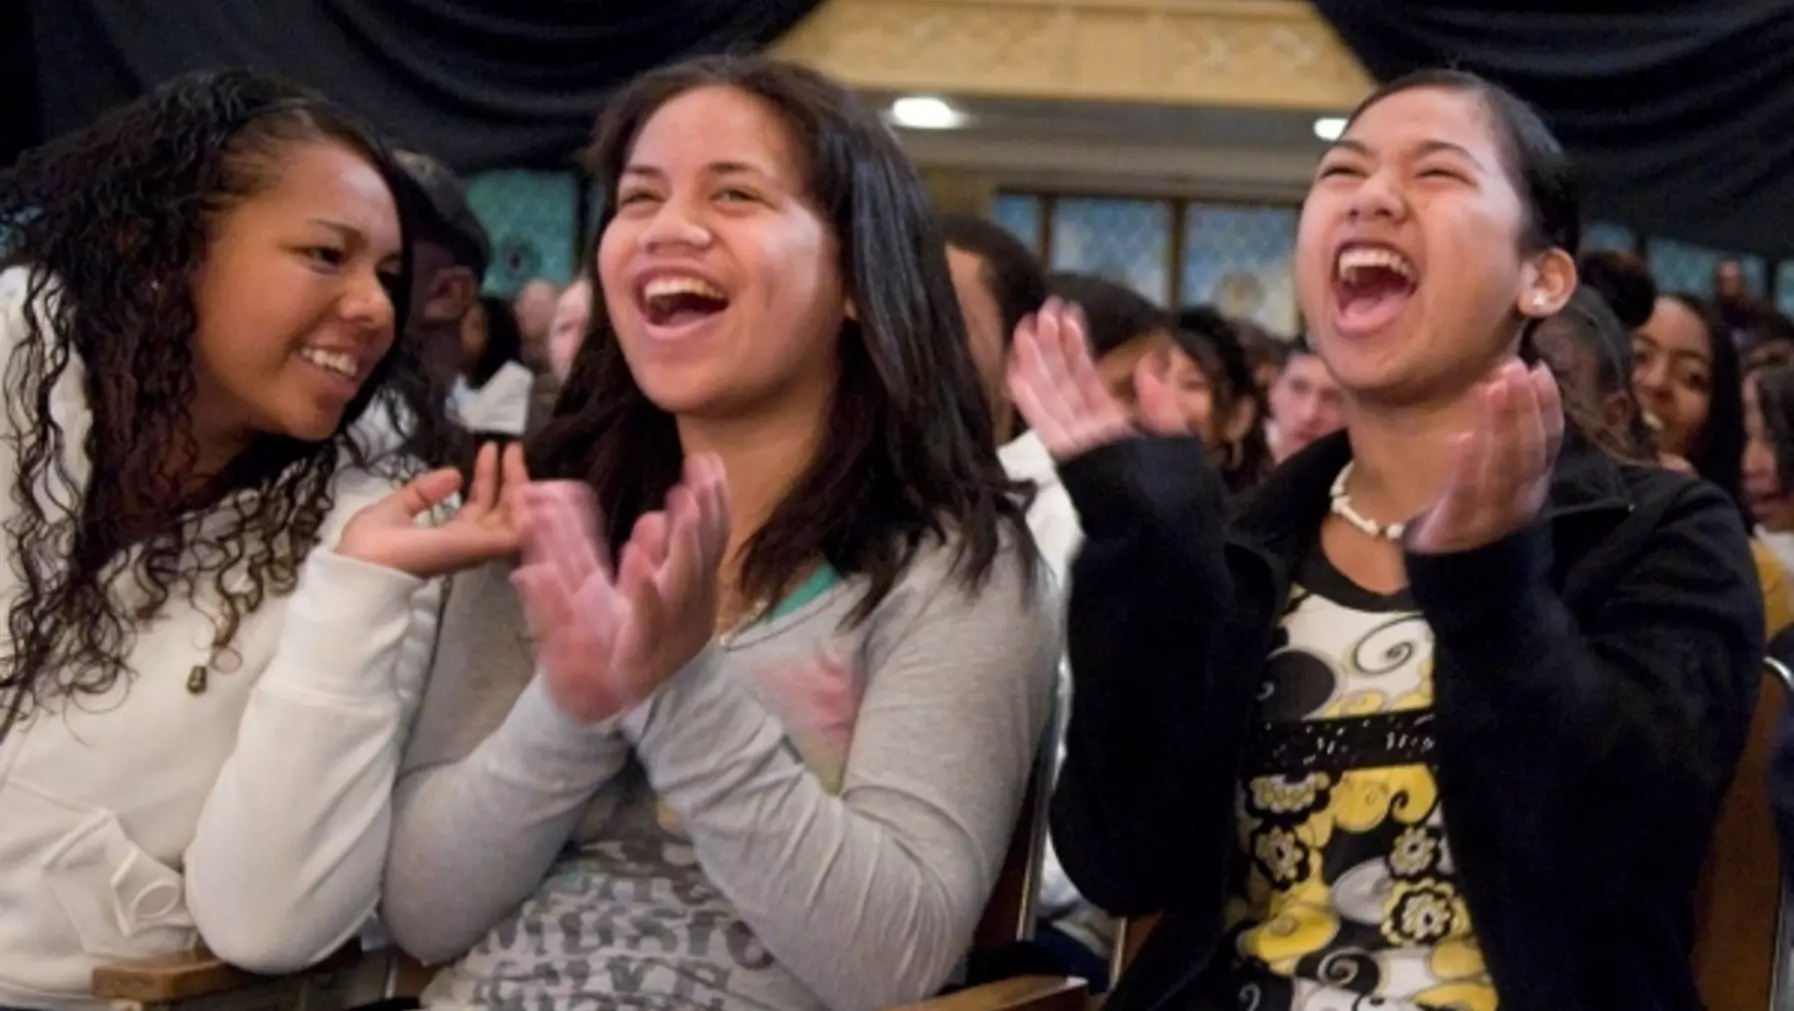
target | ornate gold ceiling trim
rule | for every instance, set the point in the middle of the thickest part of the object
(1270, 54)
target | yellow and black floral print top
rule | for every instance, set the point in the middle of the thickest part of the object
(1345, 889)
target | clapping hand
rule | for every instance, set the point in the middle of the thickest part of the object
(1501, 470)
(387, 533)
(605, 642)
(1056, 387)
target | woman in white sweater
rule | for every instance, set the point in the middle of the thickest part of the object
(219, 599)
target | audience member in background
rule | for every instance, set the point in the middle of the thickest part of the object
(221, 601)
(449, 252)
(1765, 336)
(1769, 458)
(491, 396)
(1218, 395)
(1585, 343)
(789, 783)
(1685, 371)
(1623, 282)
(1590, 352)
(1305, 400)
(1729, 282)
(572, 314)
(534, 308)
(1444, 716)
(1266, 354)
(998, 282)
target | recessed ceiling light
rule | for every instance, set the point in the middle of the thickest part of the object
(1328, 128)
(923, 112)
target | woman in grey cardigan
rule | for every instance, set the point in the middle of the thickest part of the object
(774, 761)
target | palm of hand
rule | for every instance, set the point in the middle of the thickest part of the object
(387, 533)
(605, 644)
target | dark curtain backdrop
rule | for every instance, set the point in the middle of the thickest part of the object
(1680, 115)
(479, 83)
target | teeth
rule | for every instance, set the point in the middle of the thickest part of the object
(664, 287)
(339, 362)
(1359, 258)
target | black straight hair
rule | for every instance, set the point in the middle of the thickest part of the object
(1718, 450)
(909, 450)
(1010, 271)
(504, 340)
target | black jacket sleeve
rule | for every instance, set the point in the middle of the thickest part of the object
(1596, 745)
(1148, 589)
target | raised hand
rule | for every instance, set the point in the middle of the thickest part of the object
(1501, 471)
(1056, 387)
(387, 533)
(605, 642)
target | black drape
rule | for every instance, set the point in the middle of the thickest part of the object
(479, 83)
(1681, 115)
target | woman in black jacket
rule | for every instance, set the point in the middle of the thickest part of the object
(1442, 717)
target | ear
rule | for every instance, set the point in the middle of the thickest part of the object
(853, 309)
(1550, 278)
(1617, 409)
(451, 294)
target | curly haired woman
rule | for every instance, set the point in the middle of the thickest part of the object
(219, 597)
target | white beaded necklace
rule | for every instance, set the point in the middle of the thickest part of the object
(1342, 507)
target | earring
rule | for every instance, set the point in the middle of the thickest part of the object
(1538, 301)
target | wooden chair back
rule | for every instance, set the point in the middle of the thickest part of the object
(1738, 901)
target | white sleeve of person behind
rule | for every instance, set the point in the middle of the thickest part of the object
(501, 406)
(286, 861)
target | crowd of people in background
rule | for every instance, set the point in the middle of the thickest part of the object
(686, 635)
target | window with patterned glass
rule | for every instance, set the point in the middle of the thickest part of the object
(1020, 214)
(1126, 241)
(1240, 259)
(1682, 266)
(1607, 235)
(530, 217)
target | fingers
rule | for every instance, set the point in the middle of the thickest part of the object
(1159, 411)
(482, 496)
(1551, 410)
(710, 493)
(547, 600)
(516, 473)
(559, 531)
(421, 495)
(1056, 386)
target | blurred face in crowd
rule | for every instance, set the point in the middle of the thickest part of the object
(1414, 193)
(1728, 280)
(1672, 374)
(984, 328)
(719, 272)
(535, 309)
(572, 313)
(1769, 502)
(1305, 404)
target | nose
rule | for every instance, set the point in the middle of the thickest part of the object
(1759, 460)
(1651, 378)
(675, 225)
(368, 302)
(1378, 196)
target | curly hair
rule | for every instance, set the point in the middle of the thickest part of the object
(110, 223)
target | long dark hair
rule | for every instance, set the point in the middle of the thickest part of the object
(111, 222)
(1543, 177)
(1718, 450)
(1775, 400)
(504, 341)
(908, 449)
(1215, 343)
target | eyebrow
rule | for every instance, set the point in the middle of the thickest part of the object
(715, 168)
(1427, 147)
(348, 233)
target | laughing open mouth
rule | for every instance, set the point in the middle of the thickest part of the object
(1371, 285)
(680, 301)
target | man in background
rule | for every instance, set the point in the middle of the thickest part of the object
(1305, 402)
(449, 255)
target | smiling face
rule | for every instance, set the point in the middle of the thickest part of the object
(1672, 373)
(292, 301)
(1410, 266)
(722, 279)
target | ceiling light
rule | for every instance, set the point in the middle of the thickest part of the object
(1328, 128)
(920, 112)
